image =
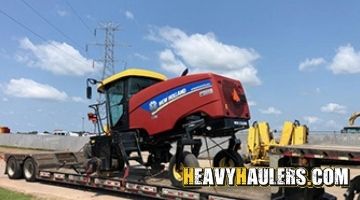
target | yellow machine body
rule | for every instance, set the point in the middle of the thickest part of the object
(261, 140)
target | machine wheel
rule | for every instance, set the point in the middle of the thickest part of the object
(176, 176)
(228, 158)
(30, 170)
(13, 168)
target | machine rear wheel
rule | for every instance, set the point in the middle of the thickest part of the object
(176, 176)
(13, 168)
(30, 170)
(228, 158)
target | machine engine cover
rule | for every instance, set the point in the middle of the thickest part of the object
(159, 107)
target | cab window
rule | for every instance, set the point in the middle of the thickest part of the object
(115, 95)
(139, 83)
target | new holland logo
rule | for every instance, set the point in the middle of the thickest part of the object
(157, 103)
(153, 106)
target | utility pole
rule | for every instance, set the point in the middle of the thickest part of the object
(83, 126)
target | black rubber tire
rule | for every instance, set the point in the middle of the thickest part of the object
(188, 160)
(13, 169)
(30, 169)
(232, 159)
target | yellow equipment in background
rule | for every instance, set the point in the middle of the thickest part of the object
(353, 117)
(261, 140)
(351, 128)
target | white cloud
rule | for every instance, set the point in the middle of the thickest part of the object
(62, 13)
(311, 64)
(312, 92)
(270, 110)
(204, 53)
(5, 99)
(78, 99)
(129, 15)
(334, 108)
(26, 88)
(170, 63)
(251, 103)
(141, 56)
(56, 57)
(311, 119)
(346, 61)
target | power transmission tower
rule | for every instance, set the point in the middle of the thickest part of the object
(109, 47)
(108, 60)
(109, 44)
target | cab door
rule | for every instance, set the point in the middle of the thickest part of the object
(118, 96)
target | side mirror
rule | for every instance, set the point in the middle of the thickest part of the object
(90, 81)
(88, 92)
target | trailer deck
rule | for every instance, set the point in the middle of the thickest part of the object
(329, 153)
(59, 168)
(67, 168)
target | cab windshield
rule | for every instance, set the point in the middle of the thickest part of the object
(115, 95)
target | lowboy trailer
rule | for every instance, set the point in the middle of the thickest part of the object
(310, 156)
(67, 168)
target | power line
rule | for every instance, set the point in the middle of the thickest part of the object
(22, 25)
(78, 16)
(48, 22)
(38, 35)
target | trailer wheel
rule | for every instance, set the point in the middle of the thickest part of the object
(228, 158)
(176, 176)
(30, 170)
(13, 168)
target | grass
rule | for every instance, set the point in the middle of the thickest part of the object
(10, 195)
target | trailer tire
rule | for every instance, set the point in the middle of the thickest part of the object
(188, 160)
(13, 168)
(30, 170)
(228, 158)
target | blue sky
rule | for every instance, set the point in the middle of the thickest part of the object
(297, 60)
